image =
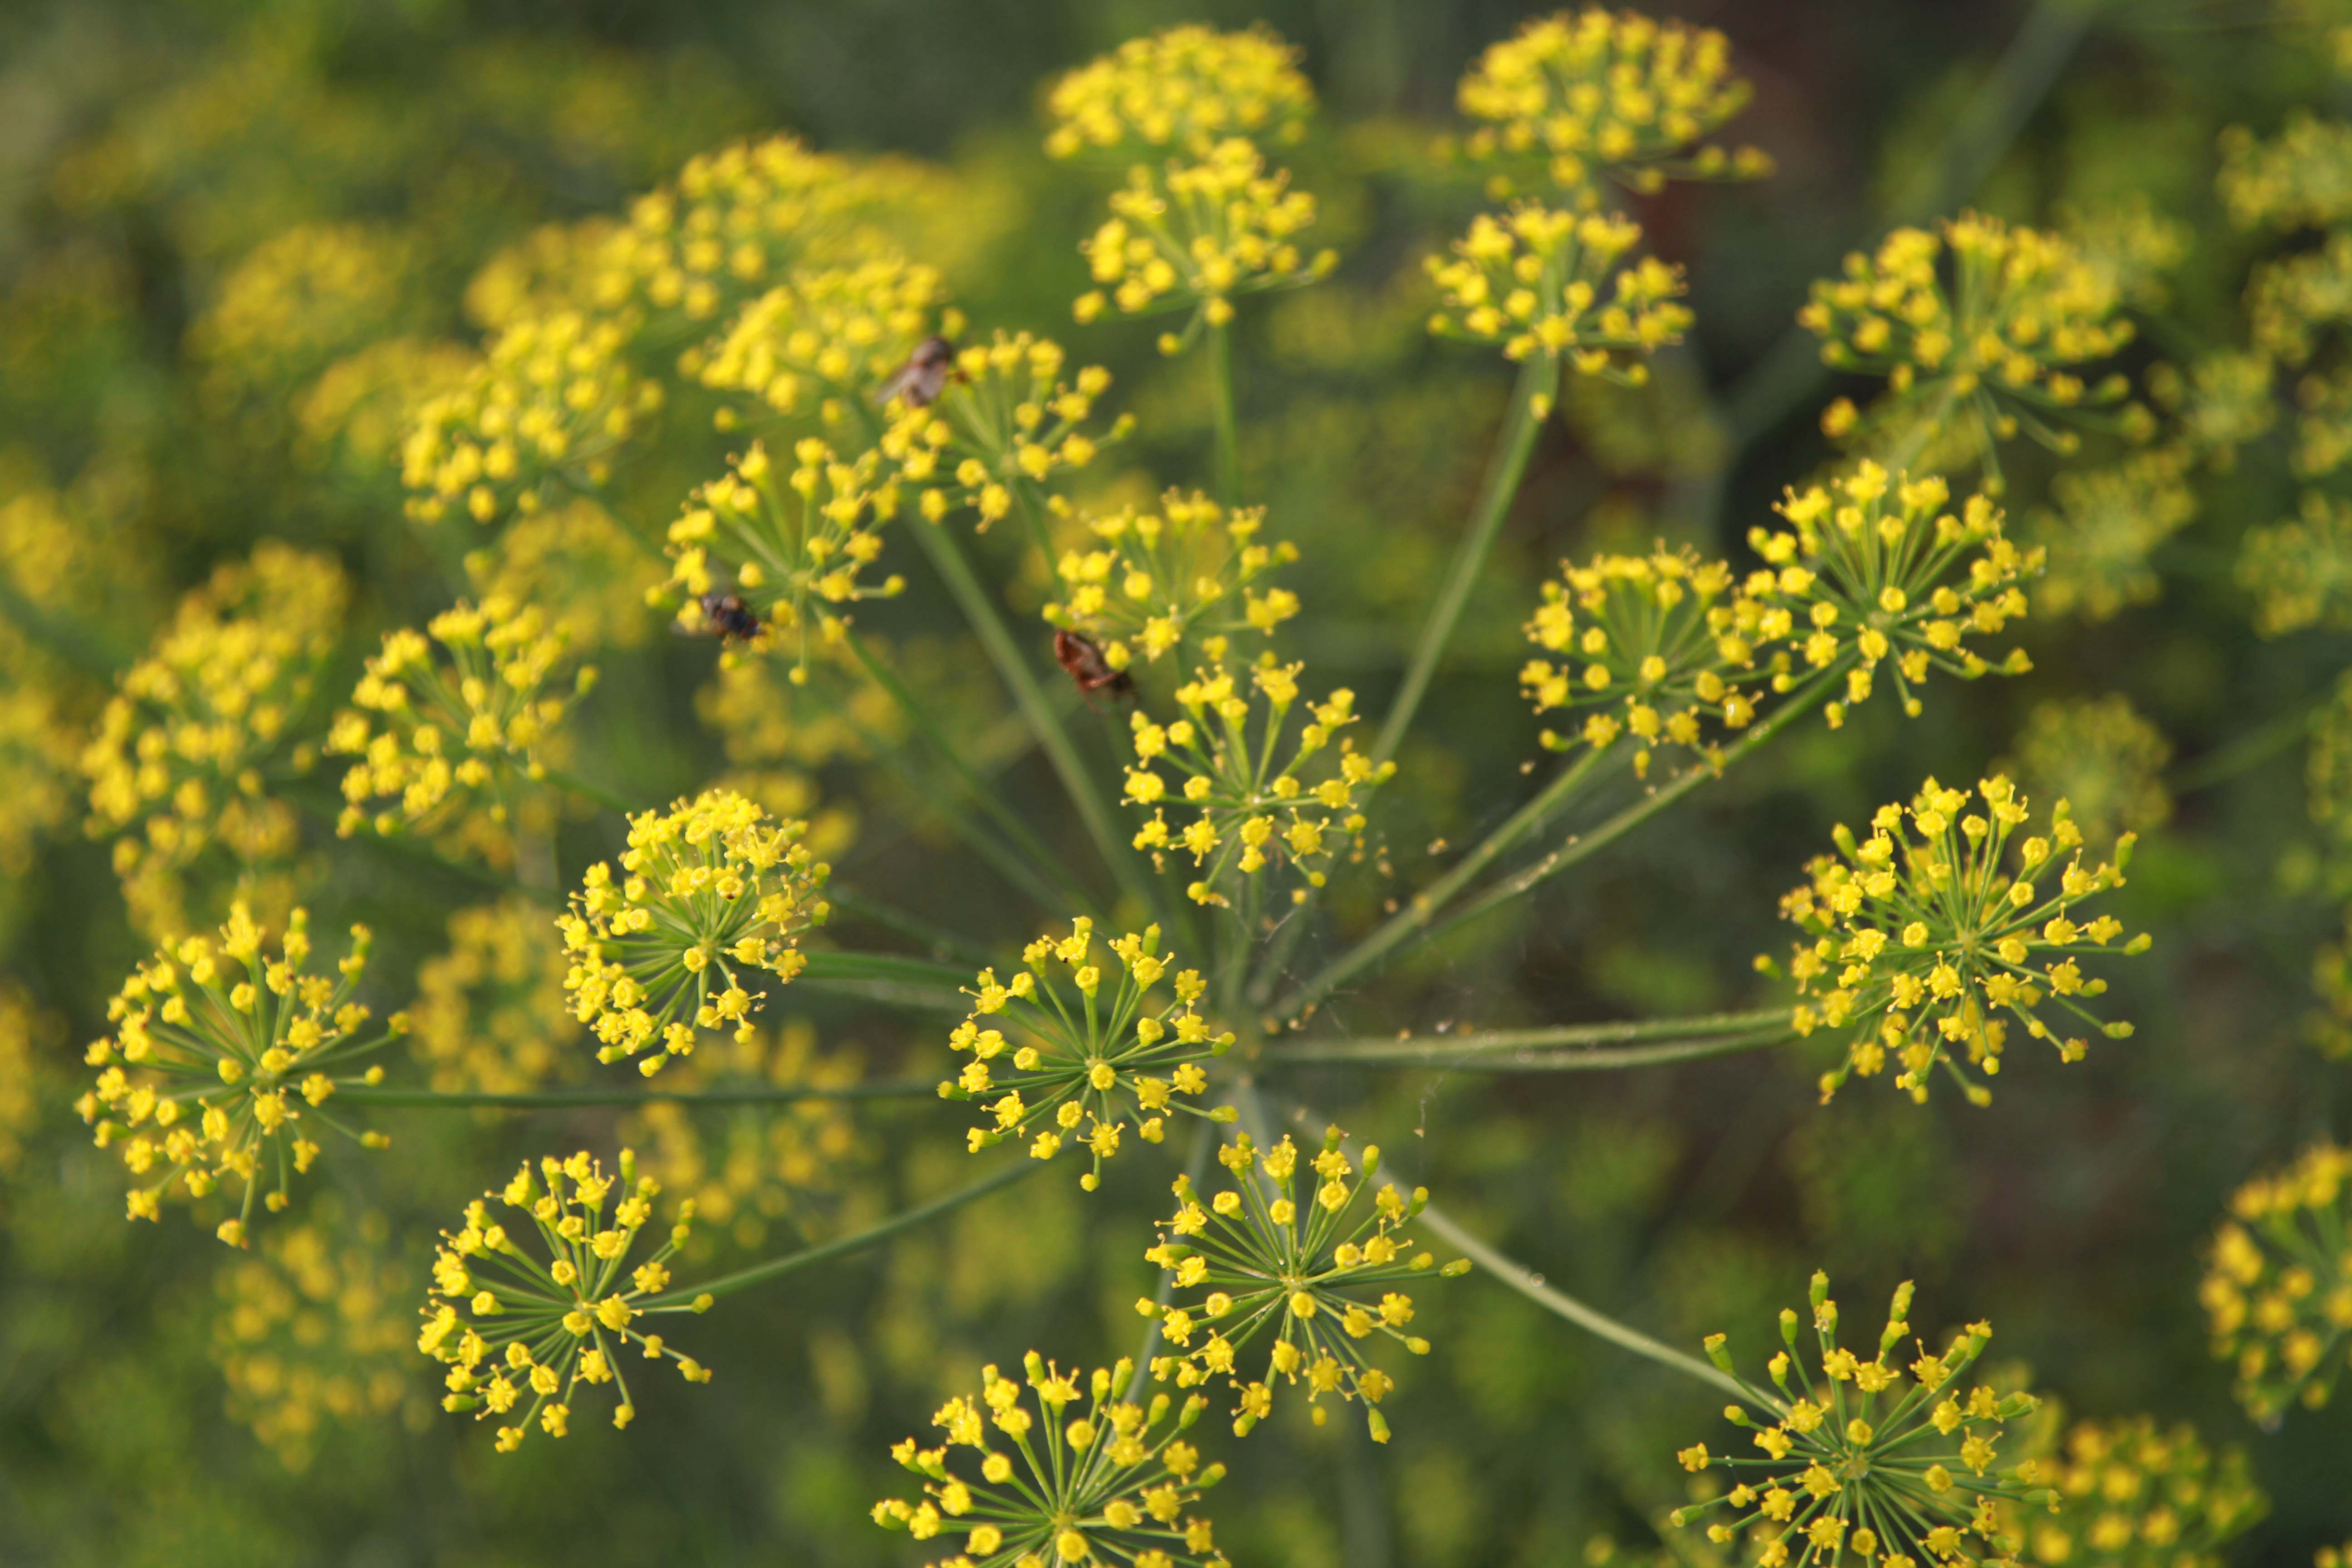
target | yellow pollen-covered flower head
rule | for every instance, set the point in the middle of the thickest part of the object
(522, 1327)
(1874, 1459)
(221, 1060)
(1573, 97)
(1246, 808)
(1076, 1471)
(1060, 1055)
(1181, 90)
(711, 895)
(1545, 280)
(1661, 649)
(1291, 1274)
(2134, 1495)
(452, 747)
(1005, 422)
(1928, 941)
(1155, 582)
(2278, 1287)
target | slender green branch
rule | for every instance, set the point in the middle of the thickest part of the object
(1532, 1285)
(976, 787)
(792, 1263)
(1513, 447)
(1481, 1056)
(889, 981)
(574, 1098)
(942, 941)
(948, 558)
(1583, 845)
(1615, 1033)
(1221, 408)
(1423, 906)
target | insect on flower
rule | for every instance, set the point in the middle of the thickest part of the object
(1083, 657)
(726, 616)
(925, 375)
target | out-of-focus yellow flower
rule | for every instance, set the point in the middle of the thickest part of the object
(1005, 418)
(828, 336)
(1184, 89)
(2278, 1292)
(490, 1013)
(2300, 572)
(2131, 1495)
(2097, 541)
(1168, 577)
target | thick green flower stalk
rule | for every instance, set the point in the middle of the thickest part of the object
(1866, 577)
(1995, 340)
(1113, 1061)
(2132, 1495)
(1194, 235)
(1003, 419)
(446, 748)
(1571, 98)
(1896, 1472)
(1927, 939)
(2278, 1294)
(713, 892)
(181, 759)
(1165, 579)
(551, 404)
(828, 336)
(792, 544)
(510, 1327)
(1250, 813)
(1303, 1268)
(1660, 648)
(1109, 1482)
(1534, 280)
(220, 1056)
(1182, 90)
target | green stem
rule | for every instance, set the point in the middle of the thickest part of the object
(1221, 408)
(1477, 1053)
(889, 981)
(611, 800)
(1532, 1285)
(573, 1099)
(761, 1273)
(1615, 1033)
(982, 796)
(1513, 448)
(2250, 750)
(1423, 907)
(943, 942)
(948, 558)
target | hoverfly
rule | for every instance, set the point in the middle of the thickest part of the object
(925, 374)
(1080, 655)
(726, 616)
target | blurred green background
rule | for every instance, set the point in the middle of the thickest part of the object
(149, 151)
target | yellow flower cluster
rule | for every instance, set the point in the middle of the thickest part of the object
(1532, 280)
(2225, 401)
(1306, 1267)
(25, 1033)
(552, 401)
(1652, 644)
(2103, 759)
(746, 1167)
(449, 748)
(295, 304)
(306, 1335)
(2300, 572)
(711, 893)
(2106, 524)
(350, 423)
(1167, 577)
(1003, 418)
(508, 1325)
(1969, 358)
(1196, 235)
(794, 541)
(1184, 89)
(827, 335)
(219, 1055)
(578, 565)
(2291, 300)
(1925, 945)
(1860, 581)
(1865, 1463)
(2300, 179)
(2278, 1294)
(489, 1013)
(2329, 1026)
(177, 763)
(1113, 1062)
(1621, 94)
(2133, 1496)
(1250, 813)
(1099, 1478)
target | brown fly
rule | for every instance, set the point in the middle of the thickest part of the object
(925, 376)
(726, 616)
(1083, 658)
